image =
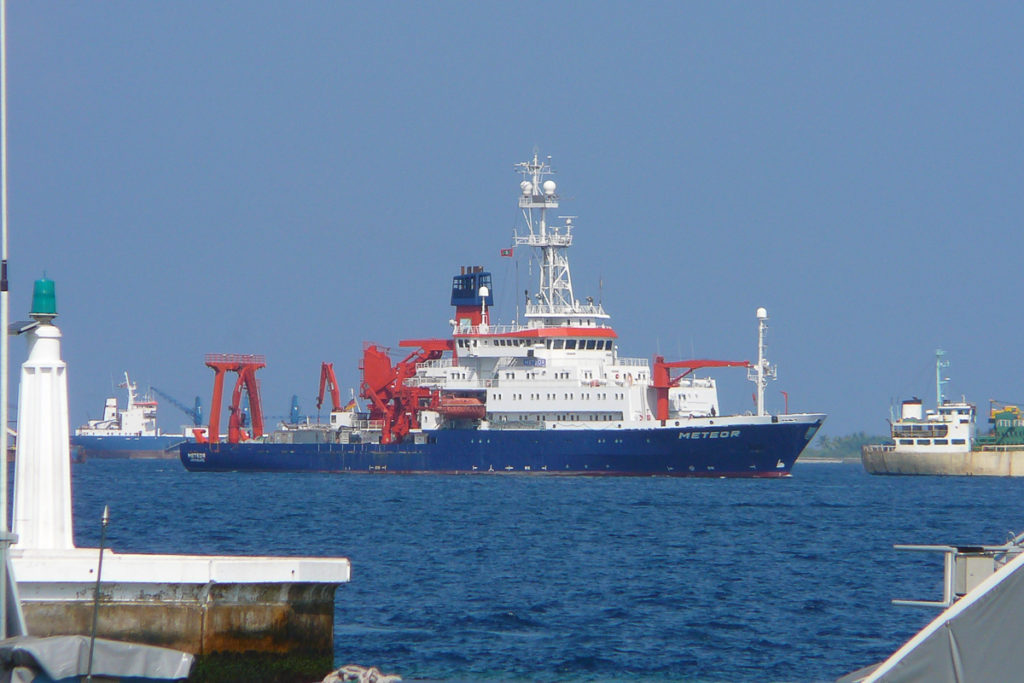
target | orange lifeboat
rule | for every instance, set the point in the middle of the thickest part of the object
(461, 408)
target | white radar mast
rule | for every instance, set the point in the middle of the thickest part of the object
(940, 364)
(763, 371)
(555, 303)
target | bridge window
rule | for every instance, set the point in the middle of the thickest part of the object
(570, 343)
(559, 343)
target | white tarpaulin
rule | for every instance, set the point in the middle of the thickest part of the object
(978, 638)
(68, 656)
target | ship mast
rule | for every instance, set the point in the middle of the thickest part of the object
(555, 303)
(940, 365)
(763, 371)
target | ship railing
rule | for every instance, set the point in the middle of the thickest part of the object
(568, 311)
(536, 310)
(439, 363)
(368, 425)
(630, 363)
(548, 239)
(517, 424)
(235, 358)
(450, 383)
(503, 328)
(964, 567)
(999, 448)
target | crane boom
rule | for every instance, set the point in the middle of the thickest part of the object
(328, 380)
(195, 413)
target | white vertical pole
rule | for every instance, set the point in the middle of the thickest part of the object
(760, 365)
(4, 318)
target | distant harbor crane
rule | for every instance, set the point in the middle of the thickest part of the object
(195, 413)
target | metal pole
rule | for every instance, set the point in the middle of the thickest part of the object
(96, 592)
(760, 367)
(4, 317)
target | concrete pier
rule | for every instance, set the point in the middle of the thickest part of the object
(236, 615)
(245, 618)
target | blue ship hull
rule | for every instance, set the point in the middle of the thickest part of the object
(132, 447)
(749, 450)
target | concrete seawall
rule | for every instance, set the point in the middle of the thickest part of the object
(253, 619)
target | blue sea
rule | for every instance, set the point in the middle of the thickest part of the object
(544, 578)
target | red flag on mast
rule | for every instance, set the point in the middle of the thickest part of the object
(506, 252)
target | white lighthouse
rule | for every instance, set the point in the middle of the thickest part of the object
(42, 475)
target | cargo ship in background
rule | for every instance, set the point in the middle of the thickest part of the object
(550, 394)
(944, 441)
(128, 433)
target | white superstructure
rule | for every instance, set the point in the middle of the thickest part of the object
(137, 419)
(948, 429)
(561, 367)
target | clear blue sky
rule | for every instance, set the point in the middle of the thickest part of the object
(294, 179)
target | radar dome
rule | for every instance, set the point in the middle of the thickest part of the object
(549, 187)
(762, 313)
(526, 186)
(484, 291)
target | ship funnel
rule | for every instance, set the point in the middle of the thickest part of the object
(912, 410)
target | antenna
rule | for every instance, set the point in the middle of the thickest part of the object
(96, 591)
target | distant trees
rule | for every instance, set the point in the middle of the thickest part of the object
(841, 447)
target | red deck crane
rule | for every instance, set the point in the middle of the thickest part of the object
(391, 401)
(330, 382)
(663, 380)
(245, 365)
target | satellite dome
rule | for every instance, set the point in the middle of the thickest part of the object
(526, 186)
(484, 291)
(762, 313)
(549, 187)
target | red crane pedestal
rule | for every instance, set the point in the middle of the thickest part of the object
(245, 365)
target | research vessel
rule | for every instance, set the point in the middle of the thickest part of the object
(945, 441)
(128, 433)
(548, 394)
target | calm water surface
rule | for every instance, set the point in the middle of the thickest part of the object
(535, 578)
